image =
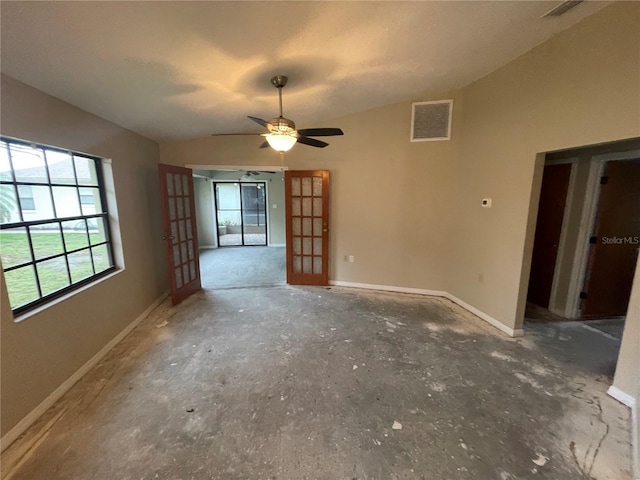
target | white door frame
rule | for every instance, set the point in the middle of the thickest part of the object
(236, 168)
(562, 250)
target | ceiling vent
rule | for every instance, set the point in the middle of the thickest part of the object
(563, 8)
(431, 120)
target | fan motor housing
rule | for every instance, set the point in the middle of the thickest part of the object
(282, 125)
(279, 81)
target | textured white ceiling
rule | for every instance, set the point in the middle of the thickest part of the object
(173, 70)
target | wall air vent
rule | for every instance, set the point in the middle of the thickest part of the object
(563, 8)
(431, 120)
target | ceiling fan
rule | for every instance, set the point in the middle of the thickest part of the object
(283, 135)
(252, 173)
(248, 174)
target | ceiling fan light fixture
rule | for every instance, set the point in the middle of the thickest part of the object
(283, 135)
(280, 142)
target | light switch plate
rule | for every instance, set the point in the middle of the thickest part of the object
(486, 202)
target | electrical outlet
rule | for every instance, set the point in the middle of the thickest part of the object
(352, 259)
(486, 202)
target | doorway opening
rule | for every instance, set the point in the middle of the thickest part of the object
(586, 244)
(241, 225)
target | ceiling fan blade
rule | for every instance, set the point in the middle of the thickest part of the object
(311, 141)
(259, 121)
(320, 132)
(264, 144)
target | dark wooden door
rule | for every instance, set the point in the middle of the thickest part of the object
(614, 249)
(307, 214)
(179, 223)
(553, 198)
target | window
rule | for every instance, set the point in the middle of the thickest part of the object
(54, 224)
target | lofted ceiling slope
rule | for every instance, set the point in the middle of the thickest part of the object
(179, 70)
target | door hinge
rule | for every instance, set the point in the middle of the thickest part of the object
(593, 240)
(604, 180)
(583, 295)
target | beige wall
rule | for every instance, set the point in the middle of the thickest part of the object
(391, 200)
(627, 377)
(42, 351)
(579, 88)
(203, 194)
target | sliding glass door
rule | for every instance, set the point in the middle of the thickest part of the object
(241, 213)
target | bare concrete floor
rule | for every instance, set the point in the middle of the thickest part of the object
(303, 383)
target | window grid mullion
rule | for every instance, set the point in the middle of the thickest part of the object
(51, 220)
(15, 186)
(75, 177)
(93, 265)
(86, 225)
(33, 262)
(66, 253)
(51, 257)
(41, 184)
(75, 171)
(53, 201)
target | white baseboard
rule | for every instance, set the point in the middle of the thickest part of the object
(622, 397)
(206, 247)
(34, 414)
(387, 288)
(277, 244)
(434, 293)
(487, 318)
(635, 439)
(632, 403)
